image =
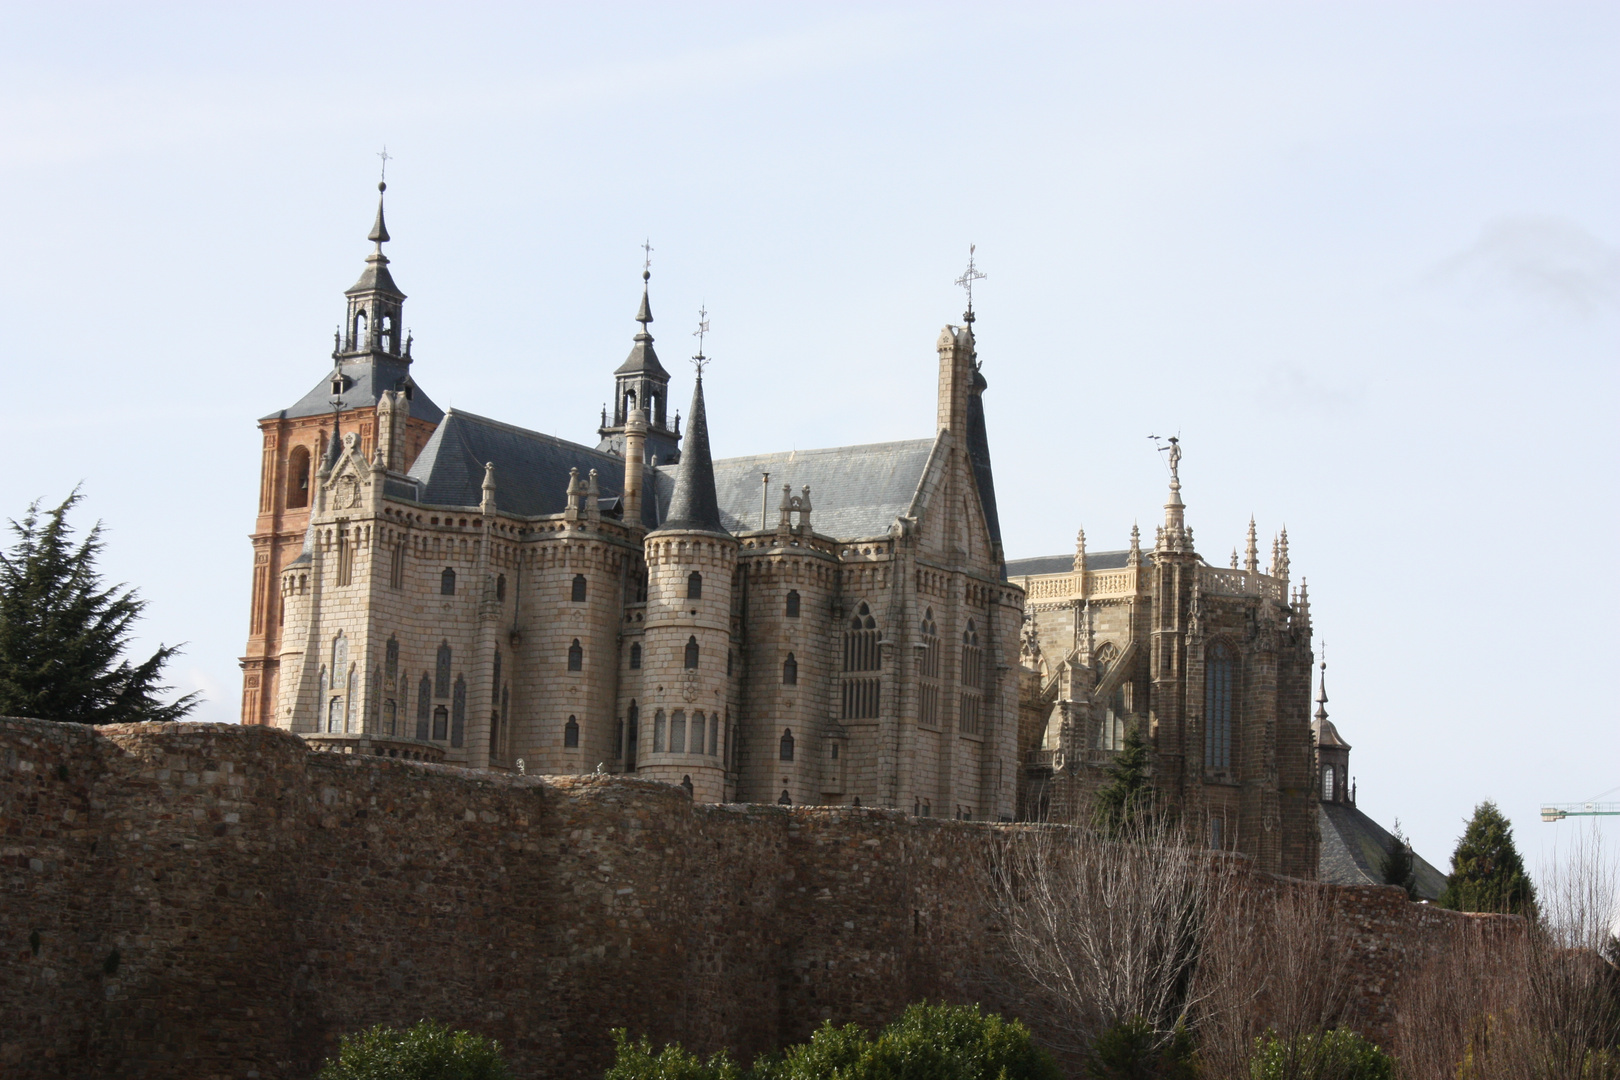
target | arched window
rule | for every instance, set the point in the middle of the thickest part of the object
(500, 588)
(447, 582)
(970, 720)
(334, 714)
(691, 652)
(1220, 688)
(340, 654)
(298, 478)
(1112, 736)
(686, 782)
(576, 657)
(714, 735)
(972, 657)
(793, 603)
(578, 595)
(790, 671)
(928, 668)
(359, 341)
(396, 566)
(861, 653)
(700, 724)
(390, 716)
(1327, 783)
(786, 799)
(391, 661)
(441, 723)
(677, 731)
(658, 732)
(571, 732)
(424, 705)
(785, 747)
(441, 672)
(458, 714)
(694, 586)
(632, 724)
(635, 656)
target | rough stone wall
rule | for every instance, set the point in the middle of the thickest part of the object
(215, 901)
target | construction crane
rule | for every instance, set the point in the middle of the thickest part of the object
(1590, 808)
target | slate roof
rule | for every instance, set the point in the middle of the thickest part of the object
(693, 505)
(1353, 847)
(369, 376)
(531, 469)
(1064, 564)
(855, 491)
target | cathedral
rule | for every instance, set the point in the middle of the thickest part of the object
(834, 626)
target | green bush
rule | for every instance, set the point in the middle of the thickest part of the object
(928, 1042)
(428, 1051)
(1133, 1050)
(1333, 1055)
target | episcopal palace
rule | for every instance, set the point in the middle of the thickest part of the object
(833, 626)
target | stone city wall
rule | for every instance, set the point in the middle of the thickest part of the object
(208, 900)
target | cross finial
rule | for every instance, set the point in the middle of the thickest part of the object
(646, 258)
(700, 361)
(969, 276)
(385, 155)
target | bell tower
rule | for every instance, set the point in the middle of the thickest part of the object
(367, 391)
(642, 383)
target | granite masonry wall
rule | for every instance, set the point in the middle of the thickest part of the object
(207, 900)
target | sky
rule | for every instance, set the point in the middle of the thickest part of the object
(1364, 258)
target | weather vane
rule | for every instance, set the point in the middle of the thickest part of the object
(646, 256)
(385, 156)
(700, 361)
(969, 276)
(1173, 445)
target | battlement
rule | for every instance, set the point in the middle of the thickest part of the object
(205, 900)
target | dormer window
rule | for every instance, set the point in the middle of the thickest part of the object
(340, 383)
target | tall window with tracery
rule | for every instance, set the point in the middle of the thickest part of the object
(458, 713)
(1220, 688)
(424, 705)
(396, 566)
(441, 671)
(928, 669)
(862, 653)
(970, 721)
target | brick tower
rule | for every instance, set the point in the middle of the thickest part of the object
(369, 359)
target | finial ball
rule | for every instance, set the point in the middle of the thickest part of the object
(646, 275)
(382, 185)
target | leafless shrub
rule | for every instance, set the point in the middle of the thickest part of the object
(1099, 931)
(1537, 1001)
(1275, 960)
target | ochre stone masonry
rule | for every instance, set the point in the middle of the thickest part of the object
(205, 900)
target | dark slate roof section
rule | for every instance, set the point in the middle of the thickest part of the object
(693, 506)
(369, 377)
(531, 469)
(1353, 847)
(855, 491)
(1064, 564)
(978, 447)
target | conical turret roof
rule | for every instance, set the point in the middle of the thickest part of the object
(375, 277)
(642, 358)
(694, 506)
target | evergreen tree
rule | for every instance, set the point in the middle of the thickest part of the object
(1487, 873)
(62, 636)
(1397, 867)
(1127, 799)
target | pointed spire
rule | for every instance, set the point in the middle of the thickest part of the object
(1234, 559)
(1321, 696)
(1302, 613)
(488, 504)
(1080, 552)
(694, 507)
(1251, 550)
(375, 277)
(379, 230)
(1135, 556)
(1280, 563)
(643, 358)
(334, 449)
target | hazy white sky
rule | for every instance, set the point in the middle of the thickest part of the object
(1364, 258)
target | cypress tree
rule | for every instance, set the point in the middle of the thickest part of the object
(1127, 799)
(1398, 868)
(63, 636)
(1487, 873)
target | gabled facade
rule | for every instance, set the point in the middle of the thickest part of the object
(824, 626)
